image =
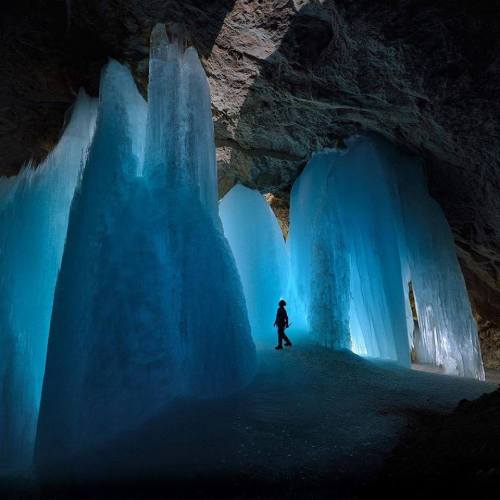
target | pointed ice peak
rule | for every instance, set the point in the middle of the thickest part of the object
(168, 43)
(116, 81)
(81, 117)
(122, 113)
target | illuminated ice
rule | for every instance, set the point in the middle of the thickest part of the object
(34, 209)
(447, 330)
(148, 305)
(259, 249)
(345, 247)
(364, 218)
(319, 261)
(366, 193)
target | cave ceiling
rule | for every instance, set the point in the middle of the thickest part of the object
(290, 77)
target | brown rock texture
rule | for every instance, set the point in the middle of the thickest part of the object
(489, 337)
(289, 77)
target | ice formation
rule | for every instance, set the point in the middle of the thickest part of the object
(148, 305)
(364, 219)
(344, 246)
(318, 257)
(34, 209)
(447, 331)
(259, 249)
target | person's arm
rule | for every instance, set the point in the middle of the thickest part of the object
(276, 319)
(286, 319)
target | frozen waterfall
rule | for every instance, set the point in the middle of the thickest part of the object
(344, 245)
(259, 249)
(34, 209)
(447, 329)
(363, 226)
(318, 258)
(148, 304)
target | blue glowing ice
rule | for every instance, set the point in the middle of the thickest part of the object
(363, 226)
(447, 333)
(259, 249)
(344, 246)
(34, 209)
(318, 256)
(366, 194)
(148, 304)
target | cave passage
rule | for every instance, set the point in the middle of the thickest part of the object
(362, 227)
(123, 290)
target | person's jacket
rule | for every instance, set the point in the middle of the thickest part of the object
(281, 318)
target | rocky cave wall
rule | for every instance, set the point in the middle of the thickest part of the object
(289, 77)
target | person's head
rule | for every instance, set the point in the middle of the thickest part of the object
(282, 303)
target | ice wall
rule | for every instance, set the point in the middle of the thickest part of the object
(148, 304)
(259, 249)
(319, 263)
(448, 332)
(366, 191)
(363, 226)
(34, 209)
(345, 247)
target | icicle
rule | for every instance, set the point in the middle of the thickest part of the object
(180, 97)
(344, 222)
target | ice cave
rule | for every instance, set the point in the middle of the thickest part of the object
(138, 307)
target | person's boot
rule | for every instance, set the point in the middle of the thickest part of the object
(278, 347)
(288, 344)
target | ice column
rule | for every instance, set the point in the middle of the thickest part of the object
(148, 304)
(368, 210)
(448, 332)
(366, 191)
(319, 261)
(258, 246)
(34, 209)
(345, 242)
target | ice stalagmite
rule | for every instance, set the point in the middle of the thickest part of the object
(91, 351)
(319, 262)
(34, 209)
(258, 246)
(207, 313)
(345, 251)
(366, 190)
(148, 304)
(447, 330)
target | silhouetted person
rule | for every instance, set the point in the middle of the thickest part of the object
(281, 322)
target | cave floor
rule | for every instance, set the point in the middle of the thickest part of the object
(311, 422)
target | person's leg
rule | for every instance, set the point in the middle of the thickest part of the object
(281, 332)
(286, 339)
